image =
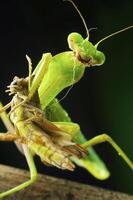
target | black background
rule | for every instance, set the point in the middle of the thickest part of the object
(35, 27)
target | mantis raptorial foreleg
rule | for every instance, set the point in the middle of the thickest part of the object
(39, 73)
(33, 174)
(106, 138)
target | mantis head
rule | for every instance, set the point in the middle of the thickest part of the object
(85, 51)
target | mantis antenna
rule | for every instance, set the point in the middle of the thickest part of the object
(87, 31)
(81, 16)
(115, 33)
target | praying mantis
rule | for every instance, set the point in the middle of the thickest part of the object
(37, 122)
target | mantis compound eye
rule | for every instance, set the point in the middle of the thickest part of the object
(99, 58)
(74, 40)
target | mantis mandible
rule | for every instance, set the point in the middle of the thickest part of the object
(37, 122)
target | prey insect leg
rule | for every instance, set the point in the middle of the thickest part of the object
(2, 109)
(8, 136)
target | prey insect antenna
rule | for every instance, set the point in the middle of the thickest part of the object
(81, 16)
(111, 35)
(30, 70)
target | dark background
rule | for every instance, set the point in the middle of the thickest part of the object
(102, 101)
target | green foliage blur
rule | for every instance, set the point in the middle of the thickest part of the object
(113, 85)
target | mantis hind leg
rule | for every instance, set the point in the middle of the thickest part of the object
(33, 174)
(91, 162)
(106, 138)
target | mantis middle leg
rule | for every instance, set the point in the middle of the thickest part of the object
(91, 162)
(106, 138)
(33, 174)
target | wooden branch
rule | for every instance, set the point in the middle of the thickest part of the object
(49, 188)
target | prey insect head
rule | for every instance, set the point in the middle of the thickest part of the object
(85, 51)
(18, 85)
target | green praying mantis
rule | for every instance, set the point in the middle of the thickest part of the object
(37, 122)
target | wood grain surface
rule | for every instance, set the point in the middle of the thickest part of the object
(50, 188)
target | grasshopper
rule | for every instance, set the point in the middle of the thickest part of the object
(39, 125)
